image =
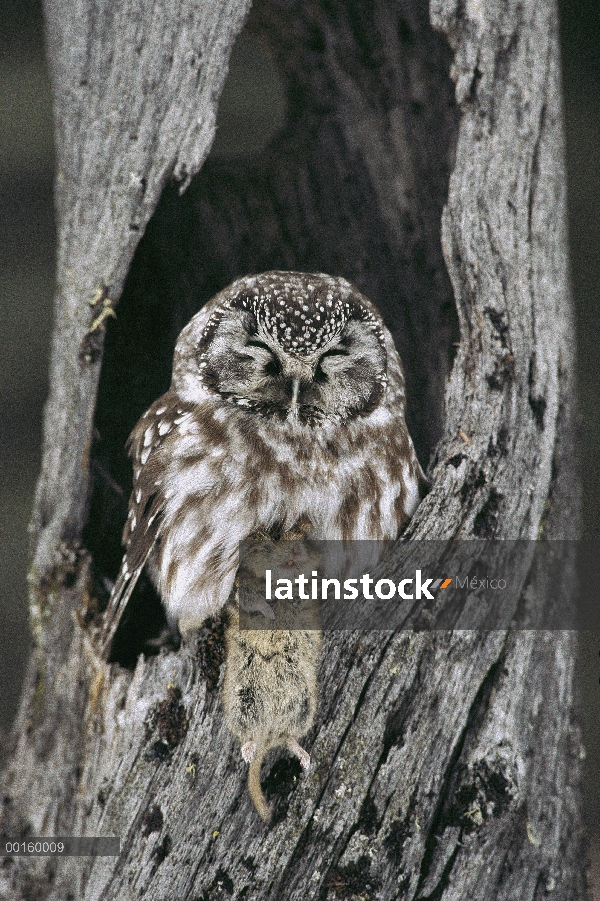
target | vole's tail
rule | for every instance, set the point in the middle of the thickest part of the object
(254, 786)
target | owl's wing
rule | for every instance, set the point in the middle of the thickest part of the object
(143, 525)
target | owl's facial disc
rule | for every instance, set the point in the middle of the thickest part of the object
(343, 378)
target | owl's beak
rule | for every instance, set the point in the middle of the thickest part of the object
(300, 373)
(294, 403)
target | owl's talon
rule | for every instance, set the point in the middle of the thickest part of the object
(257, 605)
(259, 535)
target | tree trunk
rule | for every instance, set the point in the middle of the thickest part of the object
(445, 764)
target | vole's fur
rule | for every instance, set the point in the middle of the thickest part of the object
(270, 688)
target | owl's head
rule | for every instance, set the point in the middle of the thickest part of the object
(288, 345)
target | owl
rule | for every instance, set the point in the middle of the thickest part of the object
(287, 401)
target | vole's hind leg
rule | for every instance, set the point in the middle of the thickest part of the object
(248, 750)
(302, 755)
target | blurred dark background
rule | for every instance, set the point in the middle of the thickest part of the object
(247, 120)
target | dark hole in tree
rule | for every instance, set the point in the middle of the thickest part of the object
(355, 191)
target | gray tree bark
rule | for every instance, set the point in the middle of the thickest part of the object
(446, 765)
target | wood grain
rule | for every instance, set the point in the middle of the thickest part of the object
(445, 765)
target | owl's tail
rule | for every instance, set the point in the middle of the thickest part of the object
(254, 786)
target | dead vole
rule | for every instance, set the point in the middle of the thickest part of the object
(270, 688)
